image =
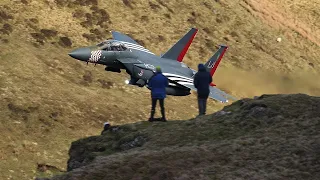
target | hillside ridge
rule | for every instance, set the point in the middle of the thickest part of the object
(269, 137)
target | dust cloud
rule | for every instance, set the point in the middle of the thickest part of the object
(241, 83)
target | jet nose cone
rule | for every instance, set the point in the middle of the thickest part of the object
(82, 54)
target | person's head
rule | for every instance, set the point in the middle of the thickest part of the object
(201, 67)
(158, 69)
(106, 124)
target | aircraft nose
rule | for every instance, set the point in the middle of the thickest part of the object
(82, 54)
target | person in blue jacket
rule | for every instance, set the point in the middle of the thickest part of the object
(158, 83)
(201, 81)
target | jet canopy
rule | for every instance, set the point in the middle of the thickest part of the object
(111, 45)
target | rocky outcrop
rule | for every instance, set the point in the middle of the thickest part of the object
(83, 151)
(268, 137)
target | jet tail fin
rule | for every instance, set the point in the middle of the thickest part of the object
(213, 63)
(178, 50)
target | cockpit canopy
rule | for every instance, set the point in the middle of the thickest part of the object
(110, 45)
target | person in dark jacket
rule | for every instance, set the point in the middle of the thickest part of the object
(158, 84)
(201, 81)
(106, 127)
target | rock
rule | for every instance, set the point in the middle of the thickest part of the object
(136, 142)
(279, 39)
(258, 111)
(222, 113)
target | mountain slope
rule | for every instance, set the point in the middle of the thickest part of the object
(49, 100)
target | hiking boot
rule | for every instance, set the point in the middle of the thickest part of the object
(152, 115)
(163, 119)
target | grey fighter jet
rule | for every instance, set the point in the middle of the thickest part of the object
(122, 52)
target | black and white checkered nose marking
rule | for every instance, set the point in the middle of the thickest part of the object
(95, 56)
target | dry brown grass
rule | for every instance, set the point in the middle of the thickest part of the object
(298, 16)
(56, 104)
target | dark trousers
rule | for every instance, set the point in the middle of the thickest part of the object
(202, 104)
(153, 108)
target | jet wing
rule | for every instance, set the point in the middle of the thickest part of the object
(223, 93)
(129, 42)
(215, 93)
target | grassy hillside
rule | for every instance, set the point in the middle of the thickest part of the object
(271, 137)
(48, 99)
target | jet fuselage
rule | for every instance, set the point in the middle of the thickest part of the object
(140, 65)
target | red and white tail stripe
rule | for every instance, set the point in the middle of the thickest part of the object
(95, 56)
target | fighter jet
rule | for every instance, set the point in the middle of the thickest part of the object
(122, 52)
